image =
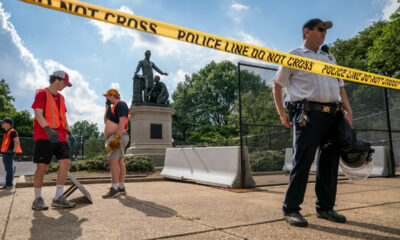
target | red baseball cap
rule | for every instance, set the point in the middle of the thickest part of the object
(62, 75)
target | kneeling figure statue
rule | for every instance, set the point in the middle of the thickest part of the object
(158, 93)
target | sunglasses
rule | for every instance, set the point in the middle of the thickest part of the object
(320, 29)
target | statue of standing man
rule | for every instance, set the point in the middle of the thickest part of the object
(147, 70)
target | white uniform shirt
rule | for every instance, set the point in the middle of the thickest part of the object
(307, 85)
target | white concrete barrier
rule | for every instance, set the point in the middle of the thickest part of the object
(20, 168)
(217, 166)
(381, 158)
(288, 166)
(382, 165)
(2, 171)
(24, 168)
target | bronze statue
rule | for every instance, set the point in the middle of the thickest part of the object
(158, 93)
(147, 71)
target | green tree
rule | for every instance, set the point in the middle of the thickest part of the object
(207, 98)
(353, 52)
(384, 54)
(183, 119)
(84, 130)
(23, 121)
(216, 134)
(375, 49)
(5, 98)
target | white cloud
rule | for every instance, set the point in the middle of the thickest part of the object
(115, 85)
(390, 7)
(35, 77)
(109, 30)
(237, 11)
(239, 7)
(247, 38)
(140, 40)
(167, 47)
(33, 74)
(174, 78)
(80, 98)
(190, 57)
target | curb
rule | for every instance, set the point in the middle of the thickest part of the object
(94, 181)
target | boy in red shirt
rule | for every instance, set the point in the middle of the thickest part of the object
(50, 131)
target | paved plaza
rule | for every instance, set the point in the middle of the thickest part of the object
(177, 210)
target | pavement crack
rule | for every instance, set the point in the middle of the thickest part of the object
(3, 237)
(218, 229)
(368, 206)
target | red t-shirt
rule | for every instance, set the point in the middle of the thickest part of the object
(40, 102)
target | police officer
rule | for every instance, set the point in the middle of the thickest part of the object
(315, 101)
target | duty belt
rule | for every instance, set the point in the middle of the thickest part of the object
(331, 108)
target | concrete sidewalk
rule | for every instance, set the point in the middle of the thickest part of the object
(175, 210)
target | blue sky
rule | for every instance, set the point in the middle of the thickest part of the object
(36, 41)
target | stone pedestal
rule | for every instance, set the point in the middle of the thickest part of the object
(151, 132)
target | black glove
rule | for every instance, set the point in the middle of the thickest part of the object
(53, 135)
(71, 138)
(108, 103)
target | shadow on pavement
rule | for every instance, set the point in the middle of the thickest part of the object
(5, 193)
(149, 208)
(390, 230)
(67, 226)
(353, 233)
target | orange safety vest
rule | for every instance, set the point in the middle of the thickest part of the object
(55, 117)
(7, 141)
(127, 119)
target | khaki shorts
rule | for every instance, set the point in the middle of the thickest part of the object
(119, 153)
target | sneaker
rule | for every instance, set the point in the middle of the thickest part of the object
(121, 191)
(62, 202)
(39, 204)
(6, 187)
(296, 219)
(331, 215)
(112, 193)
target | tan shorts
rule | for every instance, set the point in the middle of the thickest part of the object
(119, 153)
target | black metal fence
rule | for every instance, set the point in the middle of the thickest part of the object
(376, 118)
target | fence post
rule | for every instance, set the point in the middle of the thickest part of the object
(242, 165)
(83, 147)
(389, 127)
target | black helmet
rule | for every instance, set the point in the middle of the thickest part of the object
(356, 154)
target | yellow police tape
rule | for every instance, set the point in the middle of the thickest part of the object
(212, 41)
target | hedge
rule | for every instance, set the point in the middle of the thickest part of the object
(266, 161)
(132, 163)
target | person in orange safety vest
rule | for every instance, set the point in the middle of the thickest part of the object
(50, 130)
(9, 148)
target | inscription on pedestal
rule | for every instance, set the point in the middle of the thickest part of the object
(156, 131)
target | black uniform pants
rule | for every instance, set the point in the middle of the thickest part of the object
(321, 129)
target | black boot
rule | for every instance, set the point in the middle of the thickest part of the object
(296, 219)
(331, 215)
